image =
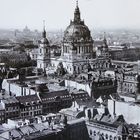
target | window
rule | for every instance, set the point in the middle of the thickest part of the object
(111, 137)
(119, 138)
(106, 136)
(94, 133)
(90, 132)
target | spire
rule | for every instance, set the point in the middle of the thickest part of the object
(44, 31)
(76, 3)
(104, 40)
(77, 13)
(43, 24)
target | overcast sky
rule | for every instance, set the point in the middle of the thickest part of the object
(57, 13)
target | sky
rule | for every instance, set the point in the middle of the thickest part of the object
(57, 13)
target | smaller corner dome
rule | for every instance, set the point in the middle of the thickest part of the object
(44, 39)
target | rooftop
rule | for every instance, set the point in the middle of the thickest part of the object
(30, 99)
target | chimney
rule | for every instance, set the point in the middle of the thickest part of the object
(65, 121)
(114, 108)
(10, 136)
(77, 109)
(9, 88)
(95, 112)
(22, 75)
(106, 111)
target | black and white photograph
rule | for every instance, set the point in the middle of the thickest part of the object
(69, 69)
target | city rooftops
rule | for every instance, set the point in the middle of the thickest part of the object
(10, 100)
(88, 102)
(30, 99)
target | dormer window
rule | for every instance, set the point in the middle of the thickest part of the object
(33, 102)
(27, 103)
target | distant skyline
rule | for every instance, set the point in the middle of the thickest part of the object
(58, 13)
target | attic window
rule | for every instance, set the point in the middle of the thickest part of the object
(33, 102)
(27, 103)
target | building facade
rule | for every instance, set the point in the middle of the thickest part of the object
(77, 45)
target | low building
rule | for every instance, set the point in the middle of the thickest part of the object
(104, 127)
(66, 130)
(124, 53)
(30, 106)
(55, 101)
(130, 111)
(102, 86)
(128, 82)
(11, 106)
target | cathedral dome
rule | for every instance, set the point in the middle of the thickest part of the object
(77, 30)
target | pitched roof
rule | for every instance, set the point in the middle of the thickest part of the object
(28, 99)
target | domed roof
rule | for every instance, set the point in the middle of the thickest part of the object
(44, 40)
(77, 30)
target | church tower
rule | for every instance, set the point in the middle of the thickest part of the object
(43, 59)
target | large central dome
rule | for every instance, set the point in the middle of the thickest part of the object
(77, 30)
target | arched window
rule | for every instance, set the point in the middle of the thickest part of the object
(90, 132)
(78, 70)
(102, 134)
(106, 136)
(119, 138)
(111, 137)
(74, 68)
(94, 133)
(79, 49)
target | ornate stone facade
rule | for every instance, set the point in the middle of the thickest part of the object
(77, 46)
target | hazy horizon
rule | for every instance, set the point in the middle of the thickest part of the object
(97, 14)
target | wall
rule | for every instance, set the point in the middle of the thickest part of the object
(78, 86)
(130, 111)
